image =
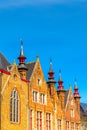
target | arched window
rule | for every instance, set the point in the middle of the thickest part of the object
(14, 106)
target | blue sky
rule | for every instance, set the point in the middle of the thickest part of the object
(51, 29)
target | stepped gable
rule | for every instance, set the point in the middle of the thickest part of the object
(30, 67)
(3, 62)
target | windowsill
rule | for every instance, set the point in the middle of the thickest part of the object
(16, 123)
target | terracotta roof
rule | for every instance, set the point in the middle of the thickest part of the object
(30, 67)
(3, 62)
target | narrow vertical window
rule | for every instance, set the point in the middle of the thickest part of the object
(72, 125)
(39, 120)
(67, 125)
(48, 121)
(42, 98)
(77, 126)
(35, 94)
(14, 106)
(59, 124)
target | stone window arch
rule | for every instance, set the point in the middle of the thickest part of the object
(14, 106)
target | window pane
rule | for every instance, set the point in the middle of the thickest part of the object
(14, 106)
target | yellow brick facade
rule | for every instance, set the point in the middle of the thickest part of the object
(54, 103)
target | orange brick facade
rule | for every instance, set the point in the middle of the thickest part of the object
(39, 106)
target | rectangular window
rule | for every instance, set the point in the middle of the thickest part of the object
(67, 125)
(72, 125)
(39, 120)
(59, 124)
(42, 98)
(48, 121)
(35, 94)
(30, 119)
(77, 126)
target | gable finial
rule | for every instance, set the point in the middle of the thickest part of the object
(37, 58)
(76, 93)
(14, 61)
(75, 83)
(21, 50)
(21, 56)
(21, 41)
(60, 75)
(60, 82)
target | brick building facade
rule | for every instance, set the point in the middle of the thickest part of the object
(29, 102)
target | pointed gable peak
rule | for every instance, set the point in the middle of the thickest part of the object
(70, 87)
(14, 65)
(37, 58)
(14, 62)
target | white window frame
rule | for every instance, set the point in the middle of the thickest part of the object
(48, 121)
(35, 96)
(67, 125)
(42, 98)
(39, 120)
(59, 124)
(72, 125)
